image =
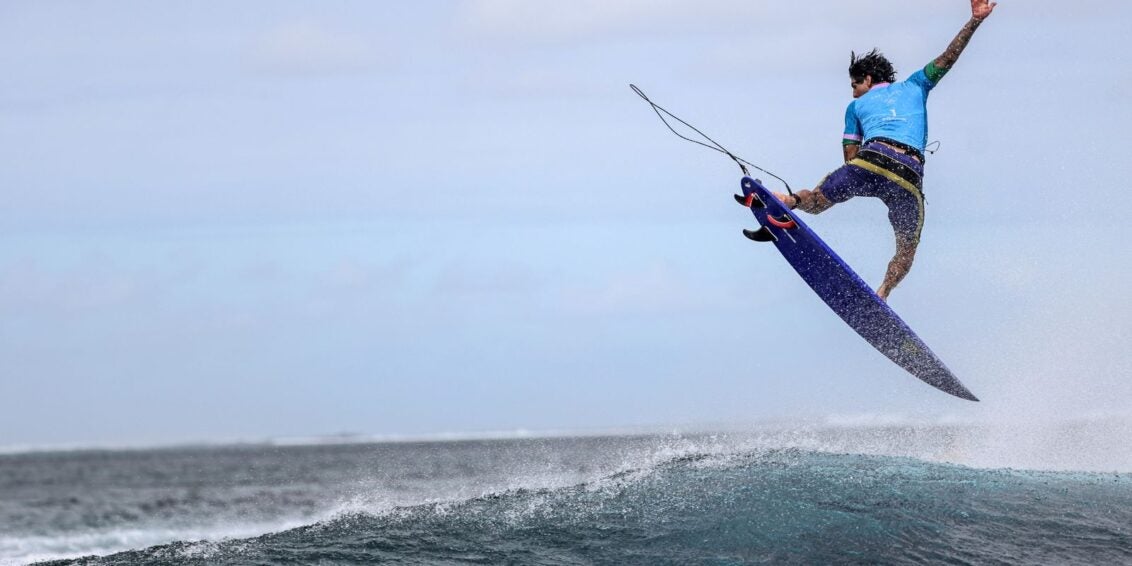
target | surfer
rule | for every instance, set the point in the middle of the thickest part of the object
(886, 130)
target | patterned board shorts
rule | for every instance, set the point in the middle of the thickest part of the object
(882, 172)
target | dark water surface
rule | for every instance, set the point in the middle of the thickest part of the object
(606, 500)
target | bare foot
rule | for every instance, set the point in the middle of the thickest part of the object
(790, 201)
(883, 292)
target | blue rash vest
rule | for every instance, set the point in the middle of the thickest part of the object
(897, 111)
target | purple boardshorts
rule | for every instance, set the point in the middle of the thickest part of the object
(882, 172)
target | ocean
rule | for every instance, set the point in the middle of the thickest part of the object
(785, 495)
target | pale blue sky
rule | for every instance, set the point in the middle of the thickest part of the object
(259, 219)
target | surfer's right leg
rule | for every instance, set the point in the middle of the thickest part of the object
(906, 213)
(899, 266)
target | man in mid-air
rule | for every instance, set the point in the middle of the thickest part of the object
(886, 130)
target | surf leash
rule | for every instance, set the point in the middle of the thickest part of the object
(711, 144)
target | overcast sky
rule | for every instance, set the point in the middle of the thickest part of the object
(259, 219)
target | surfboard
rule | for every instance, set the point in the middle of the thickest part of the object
(843, 290)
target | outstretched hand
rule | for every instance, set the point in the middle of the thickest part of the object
(980, 9)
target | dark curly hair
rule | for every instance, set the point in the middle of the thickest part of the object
(872, 64)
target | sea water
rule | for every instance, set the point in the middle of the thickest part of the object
(868, 495)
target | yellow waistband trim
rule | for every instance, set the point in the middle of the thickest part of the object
(888, 175)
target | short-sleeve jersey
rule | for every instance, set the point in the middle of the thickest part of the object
(897, 111)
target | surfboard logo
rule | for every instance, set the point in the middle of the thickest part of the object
(910, 348)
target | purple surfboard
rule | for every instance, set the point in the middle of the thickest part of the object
(844, 291)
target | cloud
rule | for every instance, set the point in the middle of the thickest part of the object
(30, 290)
(657, 289)
(497, 278)
(590, 19)
(520, 19)
(307, 47)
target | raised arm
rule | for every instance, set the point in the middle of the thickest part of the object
(980, 9)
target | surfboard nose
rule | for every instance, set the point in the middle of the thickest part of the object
(962, 393)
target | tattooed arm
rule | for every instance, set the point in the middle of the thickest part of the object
(980, 9)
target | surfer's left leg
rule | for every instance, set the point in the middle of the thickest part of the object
(839, 186)
(813, 202)
(823, 197)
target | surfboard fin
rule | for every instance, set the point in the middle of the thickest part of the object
(750, 201)
(763, 234)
